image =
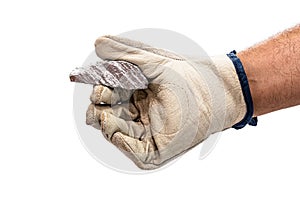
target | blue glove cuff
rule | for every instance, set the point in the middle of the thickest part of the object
(248, 119)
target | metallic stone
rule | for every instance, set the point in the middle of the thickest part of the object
(115, 74)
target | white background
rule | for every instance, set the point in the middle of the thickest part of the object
(41, 156)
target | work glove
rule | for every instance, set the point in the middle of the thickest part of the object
(187, 100)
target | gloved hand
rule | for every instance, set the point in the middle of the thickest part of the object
(186, 101)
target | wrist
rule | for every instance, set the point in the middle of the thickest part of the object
(271, 86)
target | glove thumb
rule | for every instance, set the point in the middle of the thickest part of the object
(138, 53)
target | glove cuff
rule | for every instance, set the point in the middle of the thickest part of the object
(248, 118)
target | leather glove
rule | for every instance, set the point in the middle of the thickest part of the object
(186, 101)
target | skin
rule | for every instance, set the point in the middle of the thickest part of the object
(273, 71)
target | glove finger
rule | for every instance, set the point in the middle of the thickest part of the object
(142, 152)
(103, 94)
(93, 114)
(111, 124)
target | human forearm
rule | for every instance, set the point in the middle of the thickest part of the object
(273, 71)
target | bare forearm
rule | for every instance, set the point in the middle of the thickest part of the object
(273, 71)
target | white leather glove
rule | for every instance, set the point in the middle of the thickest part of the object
(186, 101)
